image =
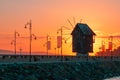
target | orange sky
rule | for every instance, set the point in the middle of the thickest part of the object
(49, 15)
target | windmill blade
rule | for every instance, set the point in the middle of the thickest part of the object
(67, 28)
(68, 37)
(70, 23)
(74, 20)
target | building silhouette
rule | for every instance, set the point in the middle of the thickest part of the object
(108, 52)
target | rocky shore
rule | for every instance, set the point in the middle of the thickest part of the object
(60, 70)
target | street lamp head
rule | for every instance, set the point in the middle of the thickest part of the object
(25, 26)
(35, 37)
(12, 42)
(18, 34)
(65, 41)
(57, 32)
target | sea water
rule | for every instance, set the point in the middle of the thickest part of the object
(114, 78)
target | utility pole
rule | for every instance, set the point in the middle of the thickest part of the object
(30, 35)
(15, 40)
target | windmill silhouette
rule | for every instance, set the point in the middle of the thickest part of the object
(82, 38)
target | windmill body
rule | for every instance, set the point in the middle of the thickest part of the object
(82, 39)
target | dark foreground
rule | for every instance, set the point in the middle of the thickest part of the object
(60, 70)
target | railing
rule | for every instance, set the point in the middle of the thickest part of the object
(42, 58)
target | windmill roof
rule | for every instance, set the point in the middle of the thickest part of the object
(85, 29)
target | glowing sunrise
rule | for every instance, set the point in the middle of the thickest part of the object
(59, 39)
(47, 17)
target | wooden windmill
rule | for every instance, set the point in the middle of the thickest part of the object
(82, 39)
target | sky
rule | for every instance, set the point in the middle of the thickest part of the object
(49, 15)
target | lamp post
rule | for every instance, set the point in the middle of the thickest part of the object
(20, 51)
(48, 38)
(61, 33)
(15, 40)
(55, 51)
(30, 35)
(111, 45)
